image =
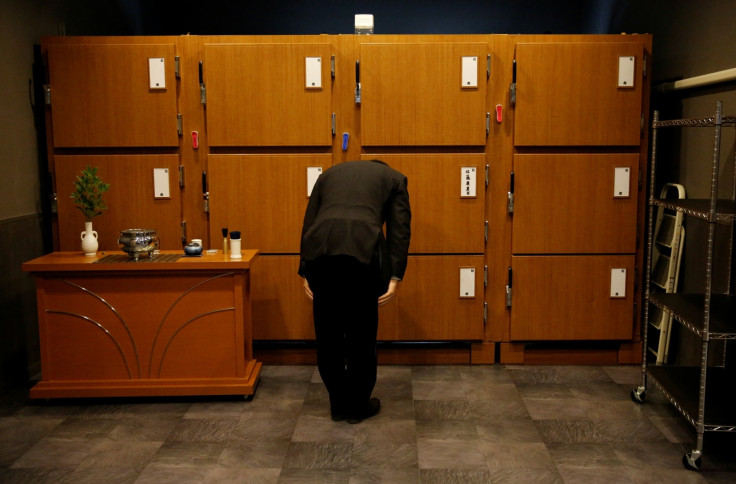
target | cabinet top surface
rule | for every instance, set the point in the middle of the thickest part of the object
(76, 261)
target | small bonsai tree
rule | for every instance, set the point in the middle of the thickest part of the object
(87, 194)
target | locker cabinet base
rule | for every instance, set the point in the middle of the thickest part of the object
(303, 353)
(615, 354)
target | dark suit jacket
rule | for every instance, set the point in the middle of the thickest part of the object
(349, 204)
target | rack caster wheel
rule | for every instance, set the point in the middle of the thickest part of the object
(691, 461)
(638, 394)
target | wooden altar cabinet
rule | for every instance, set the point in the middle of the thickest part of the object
(169, 326)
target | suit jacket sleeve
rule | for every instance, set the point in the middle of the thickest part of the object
(309, 216)
(398, 229)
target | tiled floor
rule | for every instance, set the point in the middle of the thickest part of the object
(438, 424)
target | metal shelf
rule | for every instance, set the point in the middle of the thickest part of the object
(725, 209)
(709, 122)
(681, 384)
(711, 406)
(688, 309)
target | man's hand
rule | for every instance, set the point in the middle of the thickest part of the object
(393, 286)
(307, 289)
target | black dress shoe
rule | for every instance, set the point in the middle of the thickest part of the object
(374, 405)
(337, 416)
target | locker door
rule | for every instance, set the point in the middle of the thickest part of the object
(101, 95)
(262, 196)
(281, 310)
(257, 94)
(447, 216)
(131, 200)
(571, 298)
(418, 94)
(575, 203)
(571, 95)
(429, 305)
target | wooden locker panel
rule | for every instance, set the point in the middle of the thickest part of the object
(442, 220)
(565, 204)
(569, 298)
(281, 310)
(101, 96)
(411, 95)
(568, 94)
(262, 196)
(257, 95)
(130, 199)
(428, 306)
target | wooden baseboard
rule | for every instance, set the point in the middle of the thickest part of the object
(615, 354)
(630, 353)
(270, 355)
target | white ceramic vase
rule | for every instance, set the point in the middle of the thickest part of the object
(89, 240)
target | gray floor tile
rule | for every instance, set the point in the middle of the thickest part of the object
(186, 454)
(522, 455)
(35, 476)
(386, 430)
(202, 430)
(258, 454)
(322, 429)
(440, 454)
(368, 475)
(437, 424)
(457, 430)
(387, 455)
(314, 476)
(51, 453)
(569, 431)
(115, 454)
(508, 430)
(595, 455)
(242, 475)
(455, 476)
(442, 410)
(318, 455)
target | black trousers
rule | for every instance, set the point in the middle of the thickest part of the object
(345, 323)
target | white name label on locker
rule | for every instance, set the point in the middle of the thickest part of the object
(626, 71)
(156, 73)
(468, 182)
(161, 183)
(621, 181)
(313, 172)
(469, 71)
(467, 282)
(314, 73)
(618, 283)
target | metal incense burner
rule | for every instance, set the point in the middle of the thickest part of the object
(137, 242)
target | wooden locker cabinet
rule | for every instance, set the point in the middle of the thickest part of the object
(262, 196)
(130, 200)
(101, 96)
(412, 95)
(257, 95)
(566, 203)
(442, 220)
(569, 298)
(568, 94)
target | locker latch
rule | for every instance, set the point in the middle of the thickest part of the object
(510, 195)
(509, 289)
(202, 87)
(357, 82)
(205, 193)
(512, 87)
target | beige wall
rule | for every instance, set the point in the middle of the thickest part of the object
(22, 23)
